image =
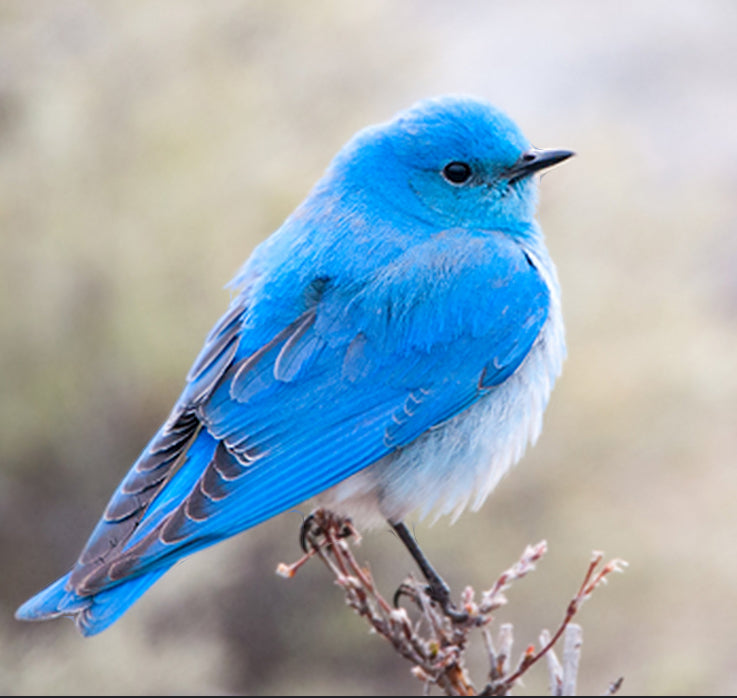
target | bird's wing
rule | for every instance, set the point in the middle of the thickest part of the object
(354, 376)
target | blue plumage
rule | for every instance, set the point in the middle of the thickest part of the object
(391, 347)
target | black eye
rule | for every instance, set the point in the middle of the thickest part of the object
(457, 172)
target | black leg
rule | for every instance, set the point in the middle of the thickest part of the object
(438, 590)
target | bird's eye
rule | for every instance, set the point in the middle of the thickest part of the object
(457, 172)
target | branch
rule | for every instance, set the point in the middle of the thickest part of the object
(435, 644)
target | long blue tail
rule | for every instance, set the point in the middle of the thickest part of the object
(92, 614)
(133, 511)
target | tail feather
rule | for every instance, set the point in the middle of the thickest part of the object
(52, 602)
(92, 614)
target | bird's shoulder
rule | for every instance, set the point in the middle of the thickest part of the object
(451, 285)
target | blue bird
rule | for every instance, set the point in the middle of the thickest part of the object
(391, 348)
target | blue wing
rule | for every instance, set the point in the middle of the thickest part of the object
(271, 416)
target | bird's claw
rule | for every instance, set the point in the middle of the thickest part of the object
(307, 532)
(438, 593)
(409, 591)
(319, 525)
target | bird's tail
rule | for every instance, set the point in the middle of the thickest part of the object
(93, 613)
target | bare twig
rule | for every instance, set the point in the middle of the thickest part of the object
(555, 670)
(435, 643)
(572, 641)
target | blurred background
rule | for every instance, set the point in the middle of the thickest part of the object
(146, 147)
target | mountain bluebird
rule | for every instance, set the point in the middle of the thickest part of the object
(391, 347)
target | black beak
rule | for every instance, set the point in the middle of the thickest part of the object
(535, 160)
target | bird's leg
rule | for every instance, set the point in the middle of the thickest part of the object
(437, 589)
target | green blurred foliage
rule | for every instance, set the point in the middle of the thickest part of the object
(146, 147)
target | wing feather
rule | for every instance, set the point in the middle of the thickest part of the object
(347, 381)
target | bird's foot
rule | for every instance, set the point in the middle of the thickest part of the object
(438, 593)
(320, 526)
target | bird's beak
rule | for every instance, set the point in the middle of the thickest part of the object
(534, 160)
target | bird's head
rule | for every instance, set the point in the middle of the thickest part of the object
(451, 161)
